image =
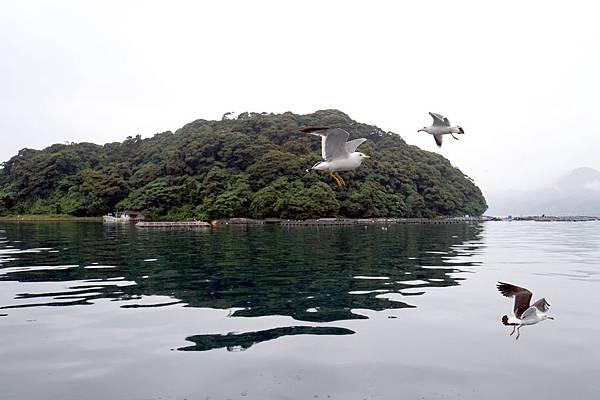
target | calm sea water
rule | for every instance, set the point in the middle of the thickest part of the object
(110, 312)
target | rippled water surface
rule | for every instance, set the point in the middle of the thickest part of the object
(116, 312)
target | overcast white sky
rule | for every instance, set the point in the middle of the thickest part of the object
(520, 77)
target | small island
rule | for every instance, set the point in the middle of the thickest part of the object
(251, 166)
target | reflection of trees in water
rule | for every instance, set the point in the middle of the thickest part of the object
(308, 274)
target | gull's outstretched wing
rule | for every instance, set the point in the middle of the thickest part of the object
(438, 139)
(318, 131)
(334, 145)
(315, 130)
(541, 305)
(352, 145)
(528, 314)
(439, 120)
(333, 141)
(522, 297)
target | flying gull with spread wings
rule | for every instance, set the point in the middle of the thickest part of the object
(440, 127)
(338, 153)
(524, 313)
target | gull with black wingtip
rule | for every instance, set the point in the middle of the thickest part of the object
(440, 127)
(524, 313)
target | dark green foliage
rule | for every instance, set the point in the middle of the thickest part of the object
(254, 165)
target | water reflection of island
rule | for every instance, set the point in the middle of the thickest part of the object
(314, 275)
(243, 341)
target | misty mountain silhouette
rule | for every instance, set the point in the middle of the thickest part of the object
(583, 178)
(577, 193)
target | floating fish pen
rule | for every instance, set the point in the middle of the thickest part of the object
(432, 221)
(550, 218)
(237, 221)
(418, 221)
(373, 221)
(320, 222)
(178, 224)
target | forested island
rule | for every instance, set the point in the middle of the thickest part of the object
(253, 165)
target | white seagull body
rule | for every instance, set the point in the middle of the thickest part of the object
(440, 127)
(338, 153)
(524, 313)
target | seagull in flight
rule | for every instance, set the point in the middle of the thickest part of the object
(441, 126)
(338, 153)
(524, 313)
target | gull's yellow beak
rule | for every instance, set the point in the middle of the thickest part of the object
(550, 317)
(368, 157)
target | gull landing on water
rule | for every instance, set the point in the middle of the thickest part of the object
(339, 153)
(441, 126)
(524, 314)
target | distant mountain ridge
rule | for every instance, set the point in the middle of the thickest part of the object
(252, 165)
(585, 178)
(577, 193)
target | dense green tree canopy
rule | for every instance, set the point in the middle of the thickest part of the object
(253, 165)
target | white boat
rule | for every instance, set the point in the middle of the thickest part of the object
(117, 218)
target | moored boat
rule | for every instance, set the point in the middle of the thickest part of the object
(116, 218)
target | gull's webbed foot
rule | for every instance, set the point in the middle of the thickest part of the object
(337, 181)
(341, 180)
(454, 136)
(513, 331)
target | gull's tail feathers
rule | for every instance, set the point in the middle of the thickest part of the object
(313, 167)
(506, 320)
